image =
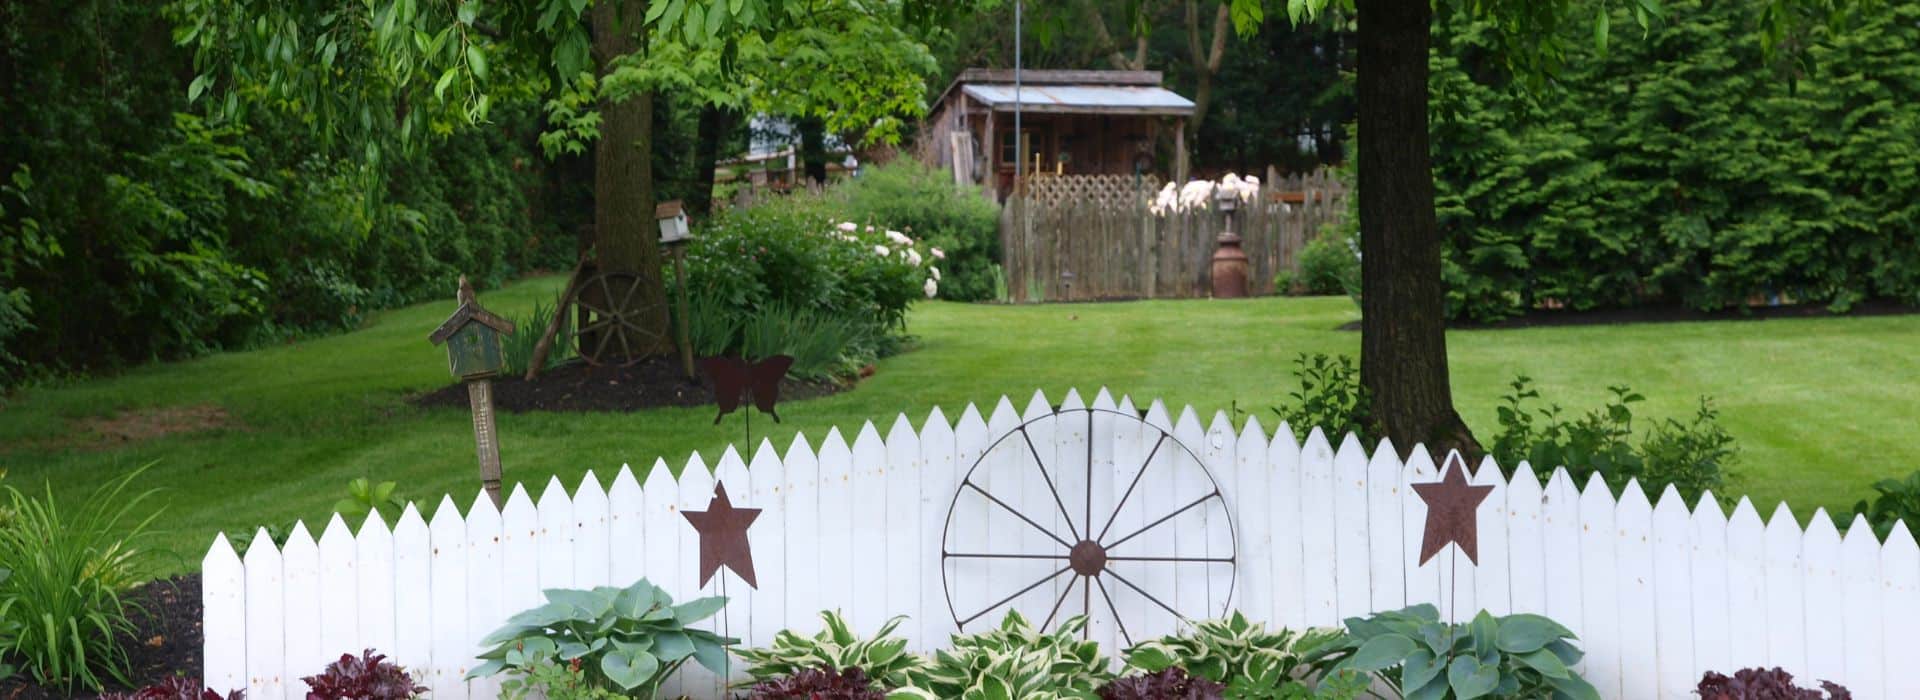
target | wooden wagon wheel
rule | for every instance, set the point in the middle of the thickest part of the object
(1149, 510)
(611, 332)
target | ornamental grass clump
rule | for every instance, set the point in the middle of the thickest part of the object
(61, 610)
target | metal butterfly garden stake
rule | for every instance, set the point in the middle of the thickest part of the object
(735, 380)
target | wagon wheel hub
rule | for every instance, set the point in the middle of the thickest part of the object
(1088, 558)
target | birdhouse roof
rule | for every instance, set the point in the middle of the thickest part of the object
(469, 313)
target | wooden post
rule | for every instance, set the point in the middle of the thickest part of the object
(680, 277)
(480, 398)
(1180, 151)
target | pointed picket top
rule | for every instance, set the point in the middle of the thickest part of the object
(625, 485)
(869, 442)
(336, 530)
(1671, 509)
(1317, 448)
(1899, 553)
(660, 476)
(936, 418)
(1037, 406)
(1782, 523)
(696, 467)
(1103, 399)
(482, 510)
(970, 414)
(1072, 401)
(555, 493)
(834, 448)
(374, 524)
(1419, 467)
(1595, 490)
(260, 551)
(300, 539)
(1350, 462)
(520, 505)
(1003, 419)
(590, 484)
(221, 555)
(446, 512)
(1821, 533)
(1860, 543)
(765, 459)
(1158, 417)
(1524, 482)
(902, 430)
(800, 445)
(1127, 406)
(1253, 432)
(730, 461)
(1189, 424)
(1744, 514)
(1633, 501)
(1707, 510)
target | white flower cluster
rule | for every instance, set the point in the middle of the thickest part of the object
(1199, 194)
(903, 246)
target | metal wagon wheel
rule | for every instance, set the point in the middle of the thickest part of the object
(1087, 524)
(610, 332)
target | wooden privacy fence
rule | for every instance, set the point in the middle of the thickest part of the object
(1086, 237)
(1295, 533)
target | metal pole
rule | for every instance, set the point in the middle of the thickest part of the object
(680, 276)
(1019, 137)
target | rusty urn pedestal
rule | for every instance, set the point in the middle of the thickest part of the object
(1229, 261)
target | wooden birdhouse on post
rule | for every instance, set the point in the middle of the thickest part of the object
(472, 337)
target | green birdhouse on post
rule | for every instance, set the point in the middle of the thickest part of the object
(472, 337)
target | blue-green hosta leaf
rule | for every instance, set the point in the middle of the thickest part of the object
(1545, 662)
(487, 669)
(629, 671)
(1379, 653)
(587, 605)
(1575, 687)
(696, 610)
(1485, 632)
(1523, 633)
(1470, 678)
(1421, 668)
(673, 646)
(536, 618)
(710, 654)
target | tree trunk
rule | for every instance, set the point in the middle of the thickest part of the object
(813, 148)
(714, 124)
(1403, 342)
(625, 235)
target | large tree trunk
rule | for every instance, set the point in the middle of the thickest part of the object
(813, 148)
(625, 235)
(1403, 341)
(714, 124)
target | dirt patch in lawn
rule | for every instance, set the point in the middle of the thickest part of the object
(652, 383)
(139, 425)
(166, 640)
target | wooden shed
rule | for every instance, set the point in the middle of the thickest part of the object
(1073, 122)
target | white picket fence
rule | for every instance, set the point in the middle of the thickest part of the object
(1658, 593)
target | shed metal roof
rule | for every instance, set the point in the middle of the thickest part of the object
(1082, 99)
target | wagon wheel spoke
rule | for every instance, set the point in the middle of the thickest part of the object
(633, 285)
(600, 348)
(1017, 594)
(990, 555)
(1113, 610)
(602, 322)
(1042, 466)
(1056, 604)
(1144, 594)
(1164, 518)
(1016, 513)
(1131, 486)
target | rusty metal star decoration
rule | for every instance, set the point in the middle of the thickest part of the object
(723, 537)
(1451, 507)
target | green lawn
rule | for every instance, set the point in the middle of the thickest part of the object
(1821, 407)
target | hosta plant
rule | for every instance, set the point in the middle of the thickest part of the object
(628, 639)
(1412, 651)
(882, 658)
(1764, 684)
(176, 688)
(823, 683)
(1166, 684)
(1016, 660)
(368, 676)
(1253, 663)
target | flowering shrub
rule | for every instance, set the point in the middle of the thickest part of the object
(1199, 194)
(923, 203)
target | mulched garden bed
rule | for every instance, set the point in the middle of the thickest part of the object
(1673, 314)
(166, 640)
(651, 383)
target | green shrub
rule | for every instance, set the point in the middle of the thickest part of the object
(1251, 662)
(1894, 500)
(883, 658)
(1331, 397)
(1016, 660)
(627, 639)
(1692, 456)
(1417, 655)
(61, 612)
(1329, 264)
(960, 222)
(516, 350)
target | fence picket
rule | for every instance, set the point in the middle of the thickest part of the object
(1786, 625)
(1746, 589)
(591, 567)
(1526, 585)
(1712, 641)
(223, 594)
(695, 492)
(1900, 581)
(300, 577)
(266, 621)
(767, 538)
(1253, 593)
(1560, 535)
(486, 570)
(1284, 516)
(869, 532)
(736, 619)
(412, 592)
(1319, 585)
(1423, 582)
(901, 475)
(373, 547)
(1865, 650)
(1490, 576)
(339, 591)
(1219, 457)
(1387, 558)
(1825, 621)
(836, 524)
(1353, 583)
(1672, 609)
(1599, 591)
(1638, 642)
(626, 529)
(554, 543)
(519, 552)
(966, 527)
(452, 647)
(1101, 499)
(804, 598)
